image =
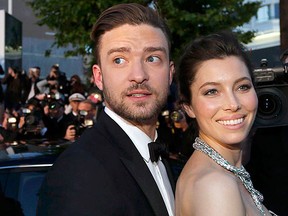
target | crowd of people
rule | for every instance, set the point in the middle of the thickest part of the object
(120, 166)
(52, 108)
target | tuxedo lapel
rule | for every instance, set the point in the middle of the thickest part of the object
(146, 182)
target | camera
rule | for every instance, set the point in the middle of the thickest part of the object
(83, 121)
(50, 100)
(272, 92)
(32, 119)
(177, 116)
(12, 123)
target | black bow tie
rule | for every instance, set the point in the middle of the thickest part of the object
(157, 149)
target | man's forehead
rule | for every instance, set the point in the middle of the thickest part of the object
(124, 36)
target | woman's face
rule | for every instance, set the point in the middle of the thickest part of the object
(224, 101)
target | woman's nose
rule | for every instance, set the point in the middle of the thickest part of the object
(232, 103)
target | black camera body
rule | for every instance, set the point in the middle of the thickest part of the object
(32, 119)
(82, 122)
(272, 92)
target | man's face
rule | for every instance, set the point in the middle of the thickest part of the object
(74, 105)
(135, 72)
(88, 108)
(55, 111)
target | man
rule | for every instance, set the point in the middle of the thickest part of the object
(31, 81)
(108, 170)
(56, 81)
(74, 100)
(14, 89)
(55, 120)
(86, 118)
(89, 109)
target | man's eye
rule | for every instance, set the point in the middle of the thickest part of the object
(119, 60)
(153, 59)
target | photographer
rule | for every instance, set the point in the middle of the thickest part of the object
(55, 120)
(9, 127)
(30, 124)
(72, 109)
(14, 88)
(268, 159)
(86, 118)
(56, 81)
(23, 125)
(174, 129)
(31, 81)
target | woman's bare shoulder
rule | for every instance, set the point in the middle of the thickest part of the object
(211, 187)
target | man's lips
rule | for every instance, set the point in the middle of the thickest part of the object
(138, 93)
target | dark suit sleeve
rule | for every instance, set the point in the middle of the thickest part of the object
(78, 188)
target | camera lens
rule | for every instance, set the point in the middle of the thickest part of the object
(52, 106)
(272, 106)
(269, 105)
(176, 116)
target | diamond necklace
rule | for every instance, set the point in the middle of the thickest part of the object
(241, 173)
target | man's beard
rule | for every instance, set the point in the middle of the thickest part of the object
(140, 112)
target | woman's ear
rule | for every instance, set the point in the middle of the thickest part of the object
(97, 75)
(189, 110)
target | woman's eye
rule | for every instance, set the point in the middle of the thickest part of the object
(153, 59)
(211, 92)
(119, 60)
(244, 87)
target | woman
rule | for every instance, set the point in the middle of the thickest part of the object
(216, 89)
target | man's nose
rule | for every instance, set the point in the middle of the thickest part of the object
(138, 73)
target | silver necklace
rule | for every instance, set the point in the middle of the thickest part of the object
(241, 172)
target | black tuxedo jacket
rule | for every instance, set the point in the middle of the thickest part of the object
(102, 173)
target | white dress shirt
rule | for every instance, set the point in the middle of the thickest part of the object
(158, 171)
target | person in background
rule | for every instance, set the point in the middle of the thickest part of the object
(31, 81)
(89, 110)
(268, 159)
(284, 57)
(216, 87)
(55, 120)
(2, 72)
(14, 89)
(76, 85)
(86, 118)
(55, 82)
(72, 109)
(50, 82)
(108, 170)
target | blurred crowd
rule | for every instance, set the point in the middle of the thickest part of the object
(51, 108)
(57, 108)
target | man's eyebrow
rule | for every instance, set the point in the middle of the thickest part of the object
(153, 49)
(120, 49)
(147, 49)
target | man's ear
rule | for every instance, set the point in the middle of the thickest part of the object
(97, 75)
(189, 110)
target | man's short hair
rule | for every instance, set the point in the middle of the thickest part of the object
(121, 14)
